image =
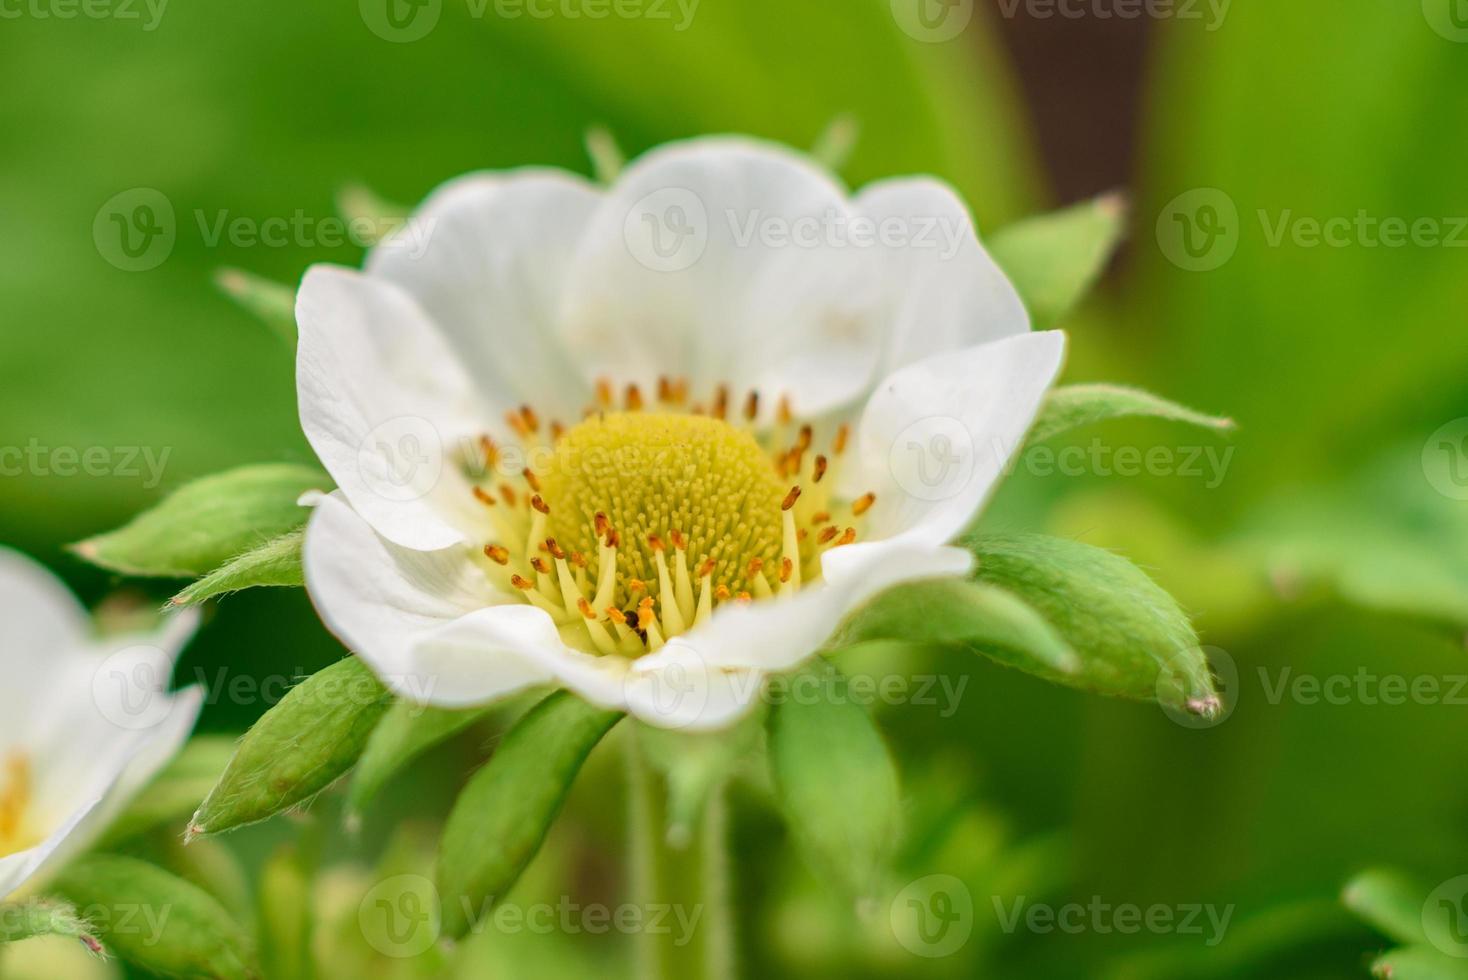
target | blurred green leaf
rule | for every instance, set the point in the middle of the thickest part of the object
(286, 919)
(208, 522)
(1077, 405)
(1132, 639)
(1054, 259)
(975, 615)
(1390, 902)
(160, 922)
(176, 792)
(405, 732)
(502, 815)
(273, 303)
(29, 919)
(300, 746)
(1419, 963)
(836, 781)
(1386, 539)
(277, 562)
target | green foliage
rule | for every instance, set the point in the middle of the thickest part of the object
(1054, 259)
(208, 522)
(694, 766)
(301, 746)
(1389, 901)
(1076, 405)
(1132, 639)
(502, 815)
(147, 916)
(405, 732)
(1419, 963)
(286, 917)
(175, 792)
(981, 617)
(49, 917)
(276, 562)
(836, 781)
(272, 303)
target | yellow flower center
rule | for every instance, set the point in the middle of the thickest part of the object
(15, 798)
(632, 526)
(653, 473)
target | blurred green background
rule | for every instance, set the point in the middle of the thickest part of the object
(1335, 541)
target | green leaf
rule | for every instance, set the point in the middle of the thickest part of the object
(176, 791)
(45, 917)
(1054, 259)
(981, 617)
(277, 562)
(1132, 639)
(371, 218)
(1386, 539)
(1389, 901)
(405, 732)
(272, 302)
(502, 816)
(1077, 405)
(1419, 963)
(158, 921)
(300, 747)
(836, 781)
(208, 522)
(286, 917)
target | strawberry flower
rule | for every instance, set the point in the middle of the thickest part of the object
(652, 442)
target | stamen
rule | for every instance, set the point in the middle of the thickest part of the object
(820, 470)
(863, 504)
(483, 496)
(497, 554)
(838, 446)
(634, 398)
(751, 406)
(531, 479)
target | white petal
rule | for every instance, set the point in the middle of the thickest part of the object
(674, 276)
(386, 406)
(486, 256)
(379, 597)
(936, 435)
(940, 289)
(39, 621)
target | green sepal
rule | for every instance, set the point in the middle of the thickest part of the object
(208, 522)
(297, 749)
(504, 812)
(1054, 259)
(836, 782)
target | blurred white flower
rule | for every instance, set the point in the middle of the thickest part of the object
(85, 722)
(652, 442)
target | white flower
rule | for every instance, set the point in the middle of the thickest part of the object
(568, 424)
(84, 722)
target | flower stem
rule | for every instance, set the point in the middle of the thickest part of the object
(681, 887)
